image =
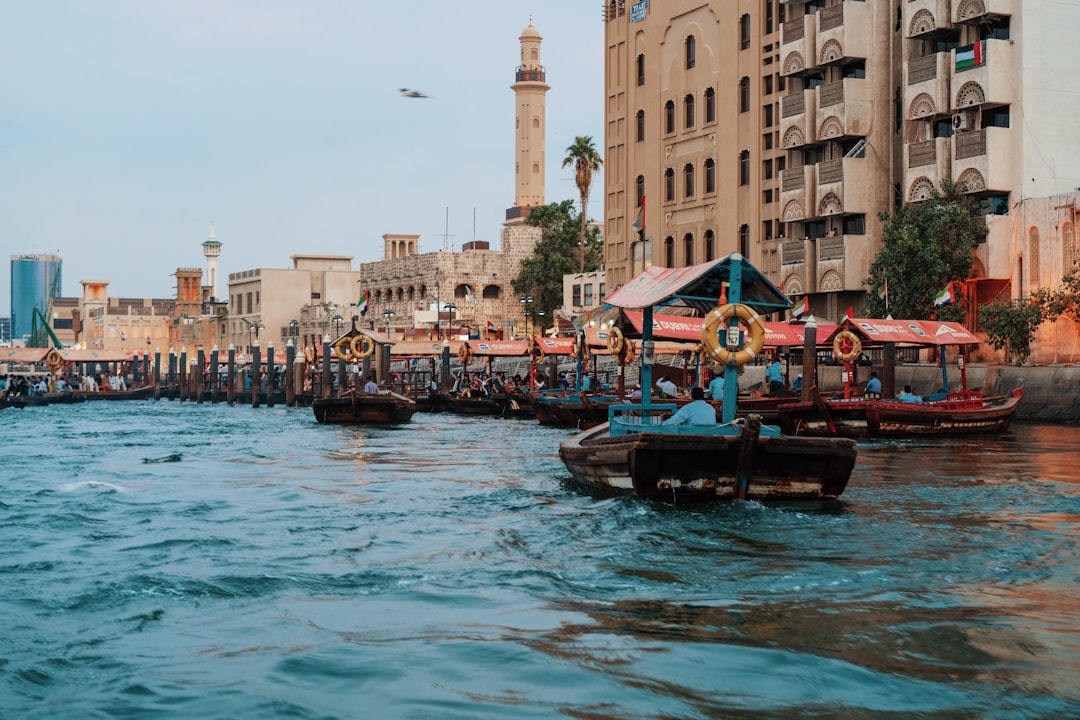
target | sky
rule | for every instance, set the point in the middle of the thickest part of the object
(128, 127)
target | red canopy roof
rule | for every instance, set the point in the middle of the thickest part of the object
(912, 332)
(675, 327)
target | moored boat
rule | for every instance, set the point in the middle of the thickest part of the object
(354, 407)
(144, 392)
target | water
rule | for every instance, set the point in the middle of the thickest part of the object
(447, 569)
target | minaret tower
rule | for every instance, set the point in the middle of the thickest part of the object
(530, 90)
(211, 249)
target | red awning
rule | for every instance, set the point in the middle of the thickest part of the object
(911, 332)
(23, 355)
(675, 327)
(500, 348)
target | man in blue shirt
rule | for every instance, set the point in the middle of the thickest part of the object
(716, 388)
(586, 382)
(696, 412)
(775, 377)
(873, 385)
(909, 397)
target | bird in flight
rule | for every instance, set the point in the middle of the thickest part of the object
(406, 92)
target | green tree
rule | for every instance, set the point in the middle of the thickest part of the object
(925, 246)
(555, 254)
(1011, 324)
(583, 156)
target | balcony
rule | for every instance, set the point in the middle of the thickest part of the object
(798, 113)
(992, 82)
(845, 109)
(530, 75)
(928, 90)
(928, 163)
(923, 18)
(844, 31)
(985, 159)
(844, 185)
(989, 8)
(795, 197)
(839, 263)
(797, 50)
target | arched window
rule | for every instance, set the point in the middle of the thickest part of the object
(688, 180)
(641, 126)
(669, 185)
(688, 248)
(710, 105)
(710, 176)
(669, 251)
(691, 51)
(744, 167)
(640, 69)
(744, 32)
(744, 95)
(688, 110)
(710, 246)
(669, 116)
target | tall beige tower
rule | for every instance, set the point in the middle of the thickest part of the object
(211, 249)
(530, 90)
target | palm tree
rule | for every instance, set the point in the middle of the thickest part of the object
(583, 156)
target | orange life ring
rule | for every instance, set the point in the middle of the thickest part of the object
(465, 353)
(341, 348)
(838, 346)
(629, 352)
(536, 351)
(53, 360)
(581, 347)
(717, 318)
(361, 347)
(614, 340)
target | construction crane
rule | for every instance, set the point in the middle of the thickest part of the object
(38, 334)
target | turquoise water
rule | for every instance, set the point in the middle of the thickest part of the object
(447, 569)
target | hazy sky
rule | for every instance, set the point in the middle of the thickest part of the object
(128, 126)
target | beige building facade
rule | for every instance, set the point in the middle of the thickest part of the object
(782, 129)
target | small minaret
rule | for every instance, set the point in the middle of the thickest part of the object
(211, 249)
(530, 90)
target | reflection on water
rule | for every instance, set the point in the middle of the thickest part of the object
(447, 568)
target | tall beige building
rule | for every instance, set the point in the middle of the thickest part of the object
(782, 129)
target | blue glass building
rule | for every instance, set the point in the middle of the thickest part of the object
(32, 279)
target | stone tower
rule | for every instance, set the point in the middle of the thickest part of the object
(211, 249)
(530, 88)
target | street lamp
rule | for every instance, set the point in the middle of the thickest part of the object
(540, 320)
(256, 327)
(294, 328)
(526, 301)
(450, 308)
(438, 311)
(389, 314)
(337, 325)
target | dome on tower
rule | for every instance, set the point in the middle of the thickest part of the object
(530, 32)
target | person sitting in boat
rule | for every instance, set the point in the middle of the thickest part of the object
(796, 384)
(668, 389)
(696, 412)
(371, 387)
(564, 383)
(908, 396)
(775, 377)
(716, 387)
(586, 382)
(873, 386)
(635, 392)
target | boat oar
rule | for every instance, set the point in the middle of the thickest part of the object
(750, 433)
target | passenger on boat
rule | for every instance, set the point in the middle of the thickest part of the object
(667, 387)
(563, 383)
(696, 412)
(873, 386)
(775, 377)
(635, 393)
(796, 385)
(586, 382)
(716, 387)
(908, 396)
(371, 387)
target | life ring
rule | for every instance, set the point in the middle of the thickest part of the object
(342, 349)
(581, 347)
(361, 347)
(309, 354)
(465, 353)
(629, 352)
(838, 346)
(717, 318)
(615, 340)
(536, 351)
(53, 360)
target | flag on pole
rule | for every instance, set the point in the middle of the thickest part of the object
(800, 308)
(883, 293)
(848, 315)
(639, 221)
(490, 327)
(969, 56)
(430, 333)
(944, 297)
(362, 303)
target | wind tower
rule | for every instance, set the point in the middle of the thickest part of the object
(211, 249)
(530, 90)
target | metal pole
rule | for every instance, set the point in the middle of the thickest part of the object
(271, 380)
(290, 374)
(256, 363)
(230, 376)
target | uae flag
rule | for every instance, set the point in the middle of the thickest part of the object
(800, 308)
(944, 297)
(639, 221)
(969, 56)
(491, 327)
(362, 303)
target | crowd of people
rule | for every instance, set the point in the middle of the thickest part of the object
(26, 385)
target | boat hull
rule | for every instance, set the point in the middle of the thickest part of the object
(383, 408)
(703, 467)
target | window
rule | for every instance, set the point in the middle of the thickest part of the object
(855, 69)
(768, 16)
(766, 229)
(767, 111)
(813, 155)
(744, 32)
(767, 141)
(669, 185)
(588, 295)
(710, 105)
(641, 126)
(688, 110)
(688, 249)
(710, 176)
(669, 117)
(710, 246)
(691, 51)
(766, 196)
(996, 117)
(576, 301)
(688, 180)
(854, 225)
(995, 29)
(669, 251)
(744, 95)
(744, 241)
(640, 69)
(767, 85)
(766, 169)
(744, 167)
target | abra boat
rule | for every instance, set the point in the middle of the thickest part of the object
(144, 392)
(352, 407)
(635, 452)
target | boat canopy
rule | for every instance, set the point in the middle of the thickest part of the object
(679, 327)
(700, 287)
(909, 332)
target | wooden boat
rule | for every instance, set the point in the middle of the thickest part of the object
(139, 393)
(635, 452)
(359, 407)
(962, 413)
(506, 405)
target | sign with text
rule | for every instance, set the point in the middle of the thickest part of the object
(638, 11)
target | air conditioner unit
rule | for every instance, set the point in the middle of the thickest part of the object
(965, 120)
